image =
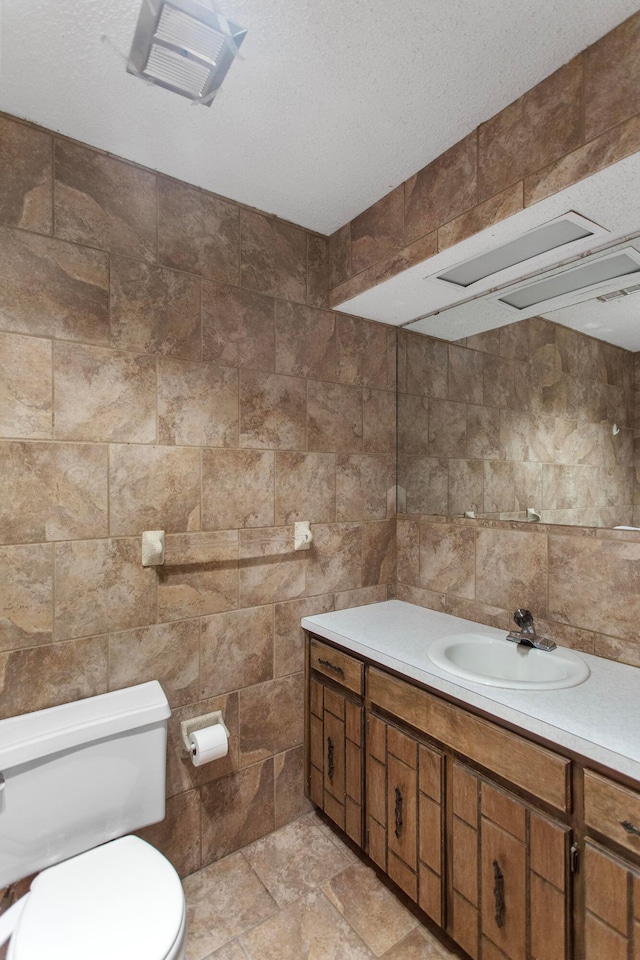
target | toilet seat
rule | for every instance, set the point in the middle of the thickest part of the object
(120, 901)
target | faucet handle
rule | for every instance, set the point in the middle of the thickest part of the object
(524, 618)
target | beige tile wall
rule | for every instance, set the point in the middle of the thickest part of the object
(168, 361)
(572, 124)
(521, 416)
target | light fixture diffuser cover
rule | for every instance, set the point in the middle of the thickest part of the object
(185, 47)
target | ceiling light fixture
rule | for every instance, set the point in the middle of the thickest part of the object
(185, 47)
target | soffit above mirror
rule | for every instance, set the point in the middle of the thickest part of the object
(421, 301)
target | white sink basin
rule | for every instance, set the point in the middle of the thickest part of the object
(501, 663)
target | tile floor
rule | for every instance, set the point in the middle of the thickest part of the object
(300, 894)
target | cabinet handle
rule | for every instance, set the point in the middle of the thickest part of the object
(332, 666)
(629, 828)
(330, 758)
(398, 829)
(498, 893)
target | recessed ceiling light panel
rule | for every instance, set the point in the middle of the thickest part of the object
(557, 235)
(185, 47)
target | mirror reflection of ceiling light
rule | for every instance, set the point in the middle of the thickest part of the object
(185, 47)
(588, 276)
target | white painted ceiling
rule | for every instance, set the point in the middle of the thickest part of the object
(334, 102)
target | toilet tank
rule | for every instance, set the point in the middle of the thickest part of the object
(80, 774)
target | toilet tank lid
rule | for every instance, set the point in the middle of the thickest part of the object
(34, 735)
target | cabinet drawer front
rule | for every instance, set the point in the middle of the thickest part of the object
(612, 810)
(535, 769)
(338, 665)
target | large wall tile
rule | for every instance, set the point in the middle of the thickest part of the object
(237, 650)
(336, 558)
(579, 593)
(305, 487)
(413, 425)
(511, 570)
(198, 232)
(101, 585)
(408, 551)
(289, 635)
(366, 353)
(52, 491)
(273, 411)
(104, 202)
(378, 421)
(442, 190)
(168, 652)
(199, 575)
(238, 327)
(25, 176)
(485, 214)
(271, 718)
(447, 428)
(420, 250)
(427, 361)
(274, 256)
(153, 488)
(26, 595)
(533, 131)
(466, 369)
(270, 568)
(104, 395)
(334, 412)
(317, 270)
(42, 677)
(340, 256)
(611, 80)
(378, 231)
(237, 489)
(447, 559)
(426, 484)
(237, 810)
(466, 486)
(25, 387)
(53, 289)
(306, 341)
(177, 837)
(362, 596)
(154, 310)
(291, 802)
(608, 148)
(363, 486)
(378, 552)
(197, 404)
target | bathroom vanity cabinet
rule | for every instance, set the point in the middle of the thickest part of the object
(515, 849)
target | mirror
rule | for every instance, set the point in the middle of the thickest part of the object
(527, 419)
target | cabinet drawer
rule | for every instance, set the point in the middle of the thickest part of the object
(333, 663)
(612, 810)
(539, 771)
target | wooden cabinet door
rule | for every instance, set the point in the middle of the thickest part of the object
(612, 906)
(404, 812)
(335, 756)
(510, 874)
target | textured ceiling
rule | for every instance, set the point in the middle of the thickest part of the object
(334, 102)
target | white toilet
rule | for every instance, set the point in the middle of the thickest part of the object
(73, 778)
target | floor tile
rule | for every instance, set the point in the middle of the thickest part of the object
(230, 951)
(371, 909)
(311, 928)
(223, 900)
(419, 945)
(294, 859)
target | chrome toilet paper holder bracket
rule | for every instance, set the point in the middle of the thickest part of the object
(187, 727)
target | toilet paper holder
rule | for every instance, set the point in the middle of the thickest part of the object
(199, 723)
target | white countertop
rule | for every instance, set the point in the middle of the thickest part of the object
(598, 719)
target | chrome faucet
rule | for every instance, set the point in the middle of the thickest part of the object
(527, 632)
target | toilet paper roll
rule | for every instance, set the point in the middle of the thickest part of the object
(208, 744)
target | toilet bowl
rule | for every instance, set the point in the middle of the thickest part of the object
(75, 780)
(120, 901)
